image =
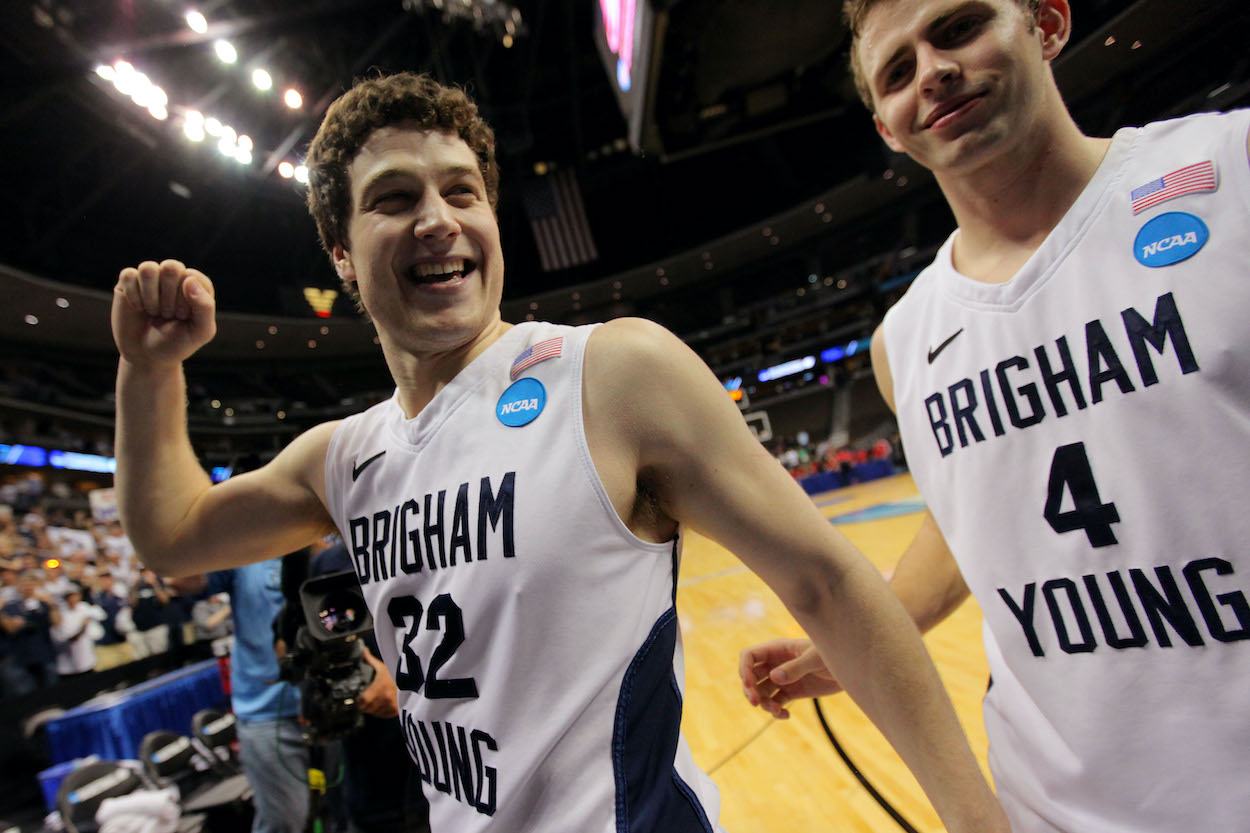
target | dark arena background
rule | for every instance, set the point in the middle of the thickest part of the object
(707, 165)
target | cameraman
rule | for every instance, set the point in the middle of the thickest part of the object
(381, 789)
(271, 744)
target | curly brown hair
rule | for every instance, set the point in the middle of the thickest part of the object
(370, 105)
(853, 14)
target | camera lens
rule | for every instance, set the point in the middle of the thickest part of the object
(341, 611)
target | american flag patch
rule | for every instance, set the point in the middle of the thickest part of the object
(549, 349)
(1188, 180)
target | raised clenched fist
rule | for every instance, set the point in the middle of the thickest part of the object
(162, 312)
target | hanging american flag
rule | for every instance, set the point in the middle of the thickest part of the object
(549, 349)
(1187, 180)
(558, 219)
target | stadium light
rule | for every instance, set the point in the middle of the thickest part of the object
(225, 51)
(293, 99)
(197, 22)
(261, 79)
(286, 170)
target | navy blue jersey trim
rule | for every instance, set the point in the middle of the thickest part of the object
(695, 804)
(651, 796)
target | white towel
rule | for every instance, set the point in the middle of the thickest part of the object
(145, 811)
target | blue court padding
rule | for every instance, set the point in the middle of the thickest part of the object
(893, 509)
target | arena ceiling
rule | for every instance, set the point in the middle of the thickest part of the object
(752, 119)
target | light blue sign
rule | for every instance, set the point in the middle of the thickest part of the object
(522, 402)
(1170, 238)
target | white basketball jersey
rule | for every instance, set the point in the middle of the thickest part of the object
(1081, 433)
(533, 637)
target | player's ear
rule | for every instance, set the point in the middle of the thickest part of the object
(343, 263)
(885, 134)
(1054, 27)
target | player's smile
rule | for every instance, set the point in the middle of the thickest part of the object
(440, 277)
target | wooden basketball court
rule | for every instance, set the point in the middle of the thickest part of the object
(785, 775)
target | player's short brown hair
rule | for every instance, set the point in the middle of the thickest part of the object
(853, 14)
(370, 105)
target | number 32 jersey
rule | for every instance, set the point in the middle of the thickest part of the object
(532, 636)
(1081, 434)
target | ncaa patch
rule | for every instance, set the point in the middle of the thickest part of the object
(1170, 238)
(522, 402)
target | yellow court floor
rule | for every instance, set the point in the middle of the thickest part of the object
(785, 775)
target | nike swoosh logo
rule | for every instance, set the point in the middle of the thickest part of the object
(935, 351)
(356, 470)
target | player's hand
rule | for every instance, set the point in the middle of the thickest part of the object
(381, 697)
(777, 672)
(162, 312)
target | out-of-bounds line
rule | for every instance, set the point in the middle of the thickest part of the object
(728, 571)
(742, 746)
(859, 776)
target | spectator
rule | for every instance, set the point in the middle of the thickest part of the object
(55, 583)
(148, 600)
(271, 743)
(75, 635)
(111, 649)
(212, 617)
(8, 582)
(28, 622)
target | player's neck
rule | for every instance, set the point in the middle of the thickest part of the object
(1006, 208)
(420, 376)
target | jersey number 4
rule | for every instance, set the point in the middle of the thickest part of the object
(1070, 470)
(444, 615)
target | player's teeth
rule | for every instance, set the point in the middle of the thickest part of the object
(426, 270)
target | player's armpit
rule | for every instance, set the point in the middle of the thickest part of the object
(662, 410)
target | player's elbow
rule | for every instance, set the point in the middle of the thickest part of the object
(810, 591)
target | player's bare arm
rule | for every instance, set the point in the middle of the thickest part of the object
(651, 400)
(179, 522)
(926, 580)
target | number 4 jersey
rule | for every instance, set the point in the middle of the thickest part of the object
(1081, 434)
(532, 636)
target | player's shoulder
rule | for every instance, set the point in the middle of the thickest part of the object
(1198, 129)
(631, 345)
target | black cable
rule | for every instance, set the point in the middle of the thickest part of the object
(859, 776)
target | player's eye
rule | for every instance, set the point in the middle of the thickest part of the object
(959, 31)
(391, 201)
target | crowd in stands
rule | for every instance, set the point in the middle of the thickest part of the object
(801, 458)
(75, 599)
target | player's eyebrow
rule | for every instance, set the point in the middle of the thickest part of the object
(381, 178)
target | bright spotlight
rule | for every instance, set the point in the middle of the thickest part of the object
(261, 79)
(244, 142)
(106, 72)
(293, 99)
(123, 67)
(225, 52)
(226, 147)
(158, 112)
(301, 175)
(228, 134)
(212, 127)
(195, 116)
(194, 130)
(197, 22)
(157, 97)
(286, 169)
(243, 156)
